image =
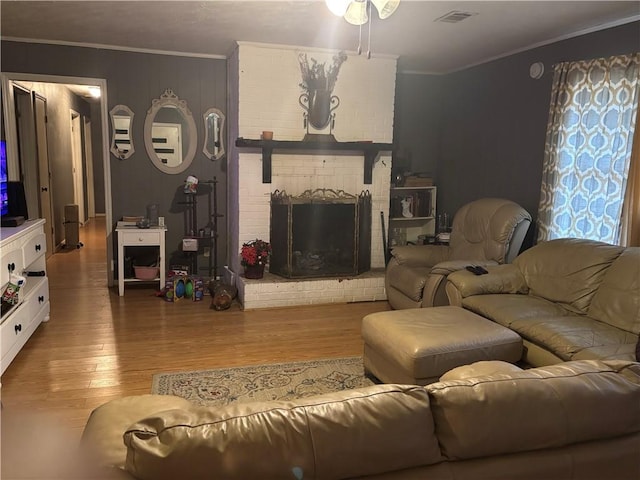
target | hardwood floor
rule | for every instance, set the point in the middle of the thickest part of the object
(98, 346)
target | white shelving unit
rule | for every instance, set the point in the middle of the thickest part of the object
(403, 229)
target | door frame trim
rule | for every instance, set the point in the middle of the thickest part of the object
(88, 153)
(77, 157)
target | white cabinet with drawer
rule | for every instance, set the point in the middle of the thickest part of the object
(131, 236)
(23, 250)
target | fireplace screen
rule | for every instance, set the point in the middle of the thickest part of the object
(321, 233)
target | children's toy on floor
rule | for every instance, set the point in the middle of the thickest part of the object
(178, 287)
(198, 289)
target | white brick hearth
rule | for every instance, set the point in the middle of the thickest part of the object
(264, 89)
(275, 291)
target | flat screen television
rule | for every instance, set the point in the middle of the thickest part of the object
(4, 180)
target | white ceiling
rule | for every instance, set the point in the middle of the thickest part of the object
(212, 27)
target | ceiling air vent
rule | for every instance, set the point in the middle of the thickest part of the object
(454, 16)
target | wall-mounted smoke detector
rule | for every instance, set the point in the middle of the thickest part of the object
(454, 16)
(536, 70)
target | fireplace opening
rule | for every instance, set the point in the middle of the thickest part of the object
(321, 233)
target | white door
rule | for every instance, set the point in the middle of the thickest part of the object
(78, 174)
(44, 172)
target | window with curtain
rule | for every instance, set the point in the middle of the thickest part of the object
(588, 148)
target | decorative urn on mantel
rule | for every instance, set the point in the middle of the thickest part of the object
(318, 100)
(254, 257)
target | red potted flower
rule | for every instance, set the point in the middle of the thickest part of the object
(254, 256)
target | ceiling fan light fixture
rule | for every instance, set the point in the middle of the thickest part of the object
(356, 13)
(385, 7)
(338, 7)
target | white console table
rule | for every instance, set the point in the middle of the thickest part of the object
(132, 236)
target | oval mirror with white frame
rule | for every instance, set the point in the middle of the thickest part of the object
(170, 133)
(121, 139)
(213, 134)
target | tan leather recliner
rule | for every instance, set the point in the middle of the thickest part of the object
(488, 231)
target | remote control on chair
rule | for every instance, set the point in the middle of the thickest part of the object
(476, 269)
(473, 270)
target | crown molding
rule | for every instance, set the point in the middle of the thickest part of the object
(101, 46)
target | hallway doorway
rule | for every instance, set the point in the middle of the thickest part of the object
(67, 184)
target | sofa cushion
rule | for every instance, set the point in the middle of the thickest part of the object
(478, 369)
(274, 440)
(567, 335)
(507, 308)
(535, 409)
(567, 271)
(617, 301)
(623, 351)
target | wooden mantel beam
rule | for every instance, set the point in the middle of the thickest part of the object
(369, 150)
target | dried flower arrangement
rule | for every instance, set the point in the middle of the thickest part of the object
(314, 76)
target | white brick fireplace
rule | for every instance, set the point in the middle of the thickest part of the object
(264, 87)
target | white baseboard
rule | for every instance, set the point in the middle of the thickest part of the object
(228, 276)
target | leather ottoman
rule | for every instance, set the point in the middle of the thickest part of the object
(417, 346)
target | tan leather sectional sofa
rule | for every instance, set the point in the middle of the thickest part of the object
(490, 420)
(568, 299)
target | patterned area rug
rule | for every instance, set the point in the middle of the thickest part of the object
(280, 381)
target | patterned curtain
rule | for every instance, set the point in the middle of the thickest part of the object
(588, 148)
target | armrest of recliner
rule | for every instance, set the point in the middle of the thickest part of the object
(435, 287)
(501, 279)
(450, 266)
(420, 255)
